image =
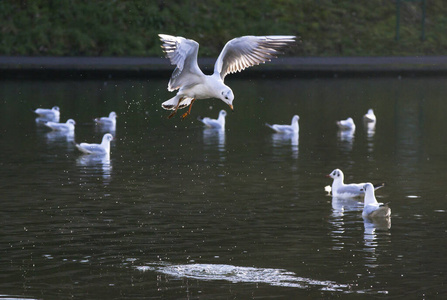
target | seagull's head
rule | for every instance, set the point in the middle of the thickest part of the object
(226, 95)
(337, 173)
(107, 137)
(370, 198)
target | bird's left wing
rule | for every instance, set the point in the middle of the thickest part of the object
(182, 53)
(247, 51)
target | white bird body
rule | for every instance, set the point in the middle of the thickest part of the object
(103, 148)
(369, 116)
(218, 123)
(238, 54)
(68, 126)
(52, 114)
(292, 128)
(372, 208)
(347, 124)
(341, 190)
(107, 121)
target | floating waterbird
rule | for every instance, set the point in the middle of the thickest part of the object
(341, 190)
(347, 124)
(68, 126)
(238, 54)
(292, 128)
(103, 148)
(52, 114)
(369, 116)
(373, 209)
(107, 121)
(218, 123)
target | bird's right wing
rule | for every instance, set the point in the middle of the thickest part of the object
(247, 51)
(182, 53)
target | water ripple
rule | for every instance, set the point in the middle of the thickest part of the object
(235, 274)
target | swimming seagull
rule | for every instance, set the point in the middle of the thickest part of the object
(238, 54)
(51, 114)
(213, 123)
(347, 124)
(292, 128)
(107, 121)
(371, 208)
(68, 126)
(369, 116)
(341, 190)
(103, 148)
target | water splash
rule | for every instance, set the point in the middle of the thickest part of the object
(235, 274)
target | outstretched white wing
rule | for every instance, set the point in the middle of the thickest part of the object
(247, 51)
(182, 53)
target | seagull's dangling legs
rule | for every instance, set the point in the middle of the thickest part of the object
(189, 110)
(176, 108)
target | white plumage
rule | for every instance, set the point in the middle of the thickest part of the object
(68, 126)
(218, 123)
(292, 128)
(103, 148)
(238, 54)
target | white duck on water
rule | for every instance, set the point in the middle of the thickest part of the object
(107, 121)
(341, 190)
(218, 123)
(292, 128)
(48, 113)
(347, 124)
(68, 126)
(103, 148)
(369, 116)
(371, 208)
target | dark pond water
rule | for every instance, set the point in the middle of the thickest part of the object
(180, 212)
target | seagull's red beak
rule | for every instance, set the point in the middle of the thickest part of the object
(327, 176)
(231, 106)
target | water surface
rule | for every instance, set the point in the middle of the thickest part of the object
(179, 211)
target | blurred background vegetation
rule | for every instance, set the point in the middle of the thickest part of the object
(130, 28)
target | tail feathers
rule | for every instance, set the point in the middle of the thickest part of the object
(83, 150)
(379, 185)
(172, 103)
(268, 125)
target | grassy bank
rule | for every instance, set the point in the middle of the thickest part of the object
(130, 28)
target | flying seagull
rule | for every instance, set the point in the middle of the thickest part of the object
(238, 54)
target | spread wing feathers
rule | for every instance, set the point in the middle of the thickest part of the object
(182, 53)
(247, 51)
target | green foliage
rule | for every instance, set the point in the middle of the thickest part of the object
(130, 28)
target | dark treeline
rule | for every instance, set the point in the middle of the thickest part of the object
(130, 28)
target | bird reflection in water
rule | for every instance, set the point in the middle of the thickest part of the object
(280, 140)
(340, 221)
(106, 128)
(346, 139)
(371, 238)
(96, 164)
(215, 138)
(59, 136)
